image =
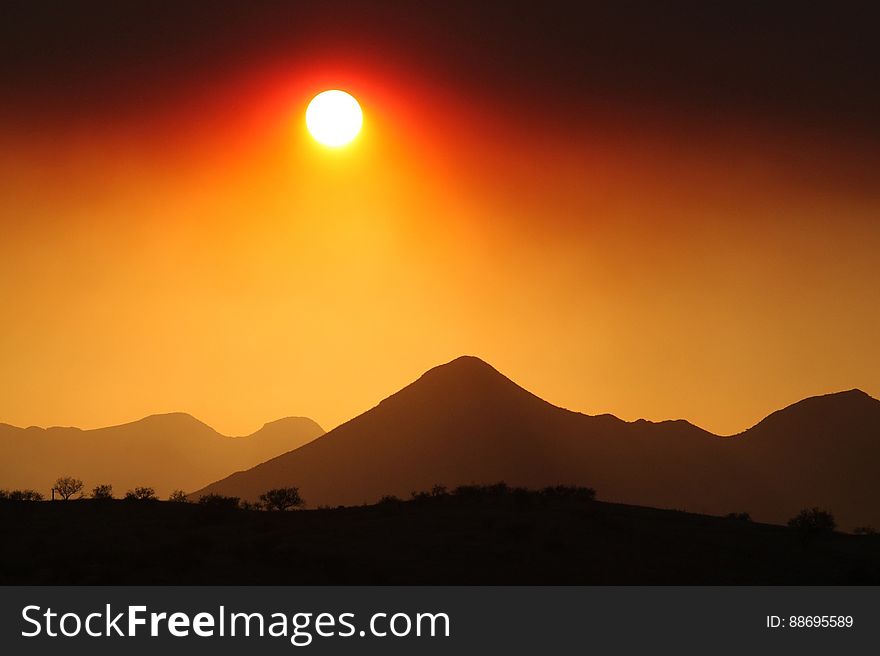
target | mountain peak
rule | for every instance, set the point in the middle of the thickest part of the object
(849, 406)
(466, 376)
(300, 426)
(463, 365)
(172, 420)
(854, 393)
(288, 421)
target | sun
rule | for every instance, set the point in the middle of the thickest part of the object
(334, 118)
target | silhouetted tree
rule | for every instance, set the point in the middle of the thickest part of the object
(141, 494)
(470, 492)
(219, 501)
(420, 497)
(865, 530)
(102, 492)
(438, 491)
(178, 496)
(24, 495)
(282, 498)
(67, 486)
(497, 489)
(813, 520)
(251, 505)
(741, 516)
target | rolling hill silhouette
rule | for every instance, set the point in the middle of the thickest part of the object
(464, 422)
(166, 452)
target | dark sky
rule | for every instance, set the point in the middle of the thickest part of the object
(786, 61)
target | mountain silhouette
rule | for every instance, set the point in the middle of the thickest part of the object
(822, 451)
(166, 452)
(464, 422)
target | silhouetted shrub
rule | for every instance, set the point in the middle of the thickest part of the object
(469, 492)
(389, 499)
(141, 494)
(282, 498)
(178, 496)
(102, 492)
(501, 490)
(219, 501)
(569, 492)
(740, 517)
(813, 520)
(21, 495)
(497, 489)
(67, 486)
(251, 505)
(476, 492)
(865, 530)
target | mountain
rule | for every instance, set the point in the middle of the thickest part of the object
(822, 451)
(166, 452)
(464, 422)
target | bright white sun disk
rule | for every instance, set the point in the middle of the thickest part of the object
(334, 118)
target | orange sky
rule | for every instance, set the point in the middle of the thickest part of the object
(209, 257)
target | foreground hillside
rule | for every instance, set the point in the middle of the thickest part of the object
(508, 539)
(166, 452)
(464, 422)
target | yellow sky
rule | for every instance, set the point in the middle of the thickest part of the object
(242, 275)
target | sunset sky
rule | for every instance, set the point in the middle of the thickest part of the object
(655, 212)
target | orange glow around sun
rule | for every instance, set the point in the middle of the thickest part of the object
(210, 252)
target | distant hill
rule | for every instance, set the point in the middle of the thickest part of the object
(464, 422)
(166, 452)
